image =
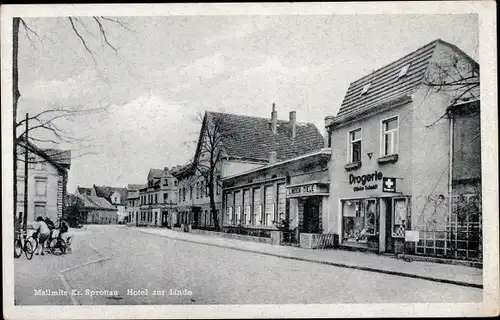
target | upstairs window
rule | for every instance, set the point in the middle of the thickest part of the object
(390, 128)
(354, 146)
(165, 182)
(31, 163)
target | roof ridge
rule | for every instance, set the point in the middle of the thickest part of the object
(256, 117)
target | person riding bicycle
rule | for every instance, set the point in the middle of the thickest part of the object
(43, 233)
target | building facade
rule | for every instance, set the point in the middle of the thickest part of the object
(158, 198)
(133, 204)
(395, 167)
(290, 196)
(235, 144)
(47, 182)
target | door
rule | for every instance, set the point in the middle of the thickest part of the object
(311, 216)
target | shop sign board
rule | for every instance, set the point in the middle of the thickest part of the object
(305, 189)
(366, 181)
(389, 184)
(412, 236)
(309, 189)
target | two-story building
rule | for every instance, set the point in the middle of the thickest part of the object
(403, 148)
(158, 198)
(133, 204)
(47, 181)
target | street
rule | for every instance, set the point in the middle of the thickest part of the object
(150, 269)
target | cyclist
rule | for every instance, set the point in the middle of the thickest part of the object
(43, 232)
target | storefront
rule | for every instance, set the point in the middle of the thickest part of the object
(289, 196)
(306, 205)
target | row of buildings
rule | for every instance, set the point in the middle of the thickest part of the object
(398, 169)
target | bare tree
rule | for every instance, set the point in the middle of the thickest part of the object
(457, 76)
(215, 130)
(43, 127)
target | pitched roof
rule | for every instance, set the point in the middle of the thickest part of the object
(42, 153)
(106, 192)
(385, 86)
(63, 157)
(156, 173)
(134, 186)
(252, 138)
(82, 190)
(93, 202)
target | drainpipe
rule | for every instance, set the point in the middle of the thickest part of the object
(450, 168)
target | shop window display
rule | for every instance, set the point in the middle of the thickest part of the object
(359, 220)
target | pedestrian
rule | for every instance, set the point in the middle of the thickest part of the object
(43, 234)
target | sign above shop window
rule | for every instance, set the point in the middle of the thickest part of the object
(389, 184)
(307, 190)
(366, 181)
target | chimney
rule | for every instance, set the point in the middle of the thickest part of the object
(272, 157)
(274, 119)
(293, 118)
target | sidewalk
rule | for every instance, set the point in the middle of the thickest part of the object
(445, 273)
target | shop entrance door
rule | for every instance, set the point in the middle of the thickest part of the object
(311, 216)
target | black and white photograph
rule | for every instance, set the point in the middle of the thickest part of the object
(250, 160)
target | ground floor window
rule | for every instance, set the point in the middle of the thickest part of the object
(360, 220)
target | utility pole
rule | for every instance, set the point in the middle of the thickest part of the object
(26, 158)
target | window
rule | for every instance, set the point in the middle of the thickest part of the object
(115, 200)
(399, 217)
(31, 162)
(202, 189)
(156, 198)
(217, 184)
(268, 205)
(246, 207)
(390, 130)
(165, 197)
(183, 194)
(44, 166)
(257, 209)
(41, 187)
(165, 182)
(229, 208)
(40, 210)
(403, 71)
(197, 190)
(365, 89)
(237, 207)
(355, 146)
(281, 202)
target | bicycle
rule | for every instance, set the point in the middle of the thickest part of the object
(20, 247)
(58, 245)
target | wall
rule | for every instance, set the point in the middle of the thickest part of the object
(52, 176)
(233, 167)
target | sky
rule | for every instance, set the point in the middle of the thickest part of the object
(168, 70)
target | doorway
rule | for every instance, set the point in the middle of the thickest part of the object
(311, 218)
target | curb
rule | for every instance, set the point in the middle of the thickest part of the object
(335, 264)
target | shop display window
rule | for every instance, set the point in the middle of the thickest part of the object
(400, 217)
(360, 220)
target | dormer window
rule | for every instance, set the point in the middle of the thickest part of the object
(403, 71)
(365, 89)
